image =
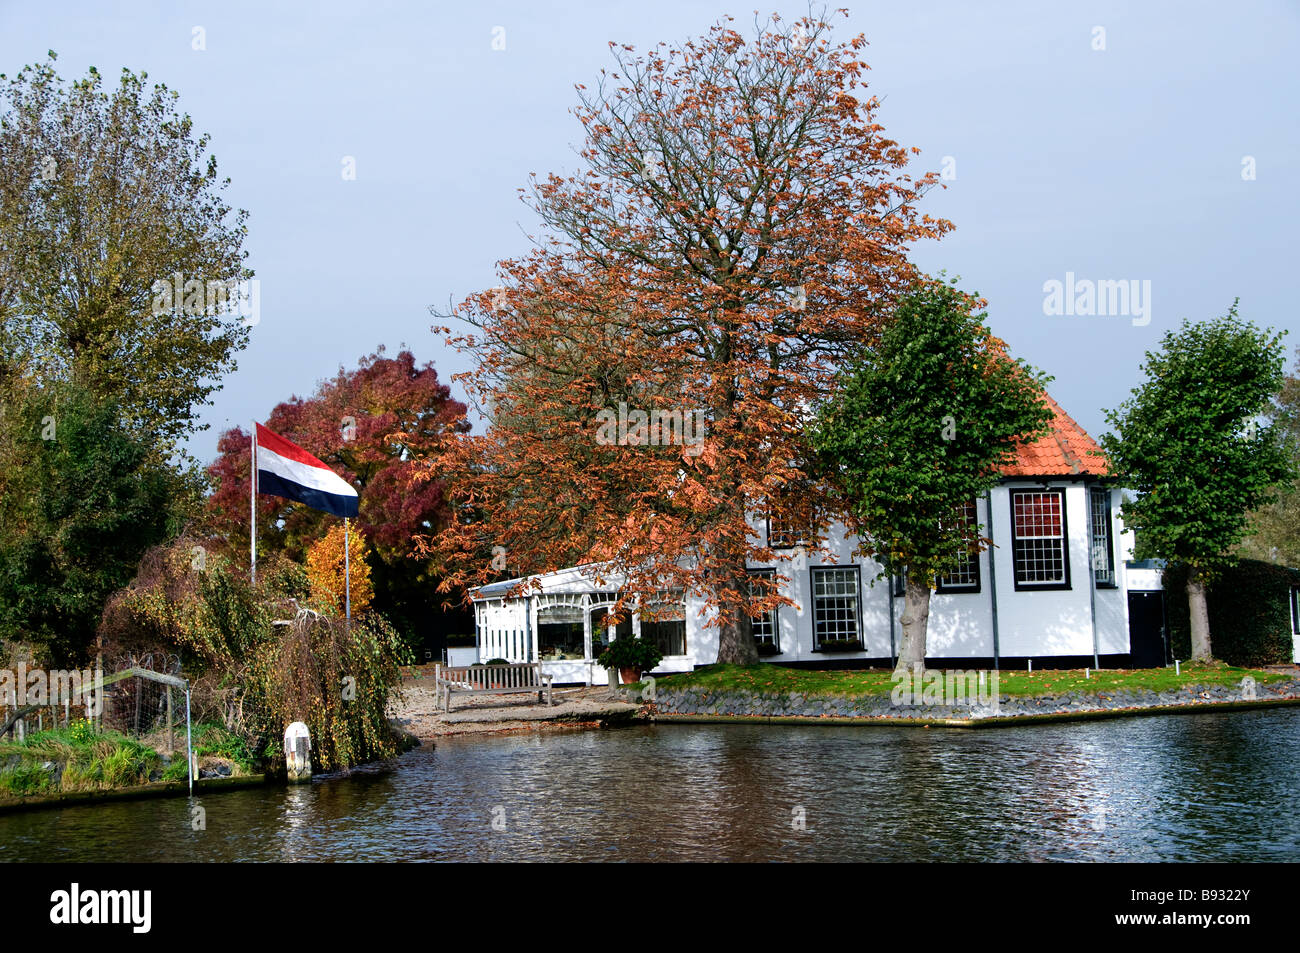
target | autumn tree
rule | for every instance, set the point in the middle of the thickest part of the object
(919, 427)
(1190, 446)
(104, 194)
(338, 579)
(369, 423)
(740, 224)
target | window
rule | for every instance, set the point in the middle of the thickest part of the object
(1038, 536)
(1103, 550)
(603, 627)
(667, 628)
(782, 534)
(794, 525)
(764, 624)
(1295, 610)
(559, 628)
(966, 576)
(836, 610)
(898, 581)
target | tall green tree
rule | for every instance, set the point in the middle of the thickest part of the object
(1275, 526)
(918, 428)
(1190, 445)
(81, 500)
(107, 197)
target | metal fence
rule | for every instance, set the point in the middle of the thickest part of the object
(152, 707)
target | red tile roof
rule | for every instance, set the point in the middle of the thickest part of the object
(1066, 451)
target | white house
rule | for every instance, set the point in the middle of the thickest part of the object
(1052, 588)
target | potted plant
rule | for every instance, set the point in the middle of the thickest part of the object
(631, 656)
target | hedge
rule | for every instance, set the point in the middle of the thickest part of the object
(1250, 613)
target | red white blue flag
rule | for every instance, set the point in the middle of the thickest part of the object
(286, 469)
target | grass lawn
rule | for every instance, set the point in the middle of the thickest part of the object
(95, 761)
(774, 679)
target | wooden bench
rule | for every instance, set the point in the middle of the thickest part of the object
(509, 679)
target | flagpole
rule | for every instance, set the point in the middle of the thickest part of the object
(347, 575)
(252, 509)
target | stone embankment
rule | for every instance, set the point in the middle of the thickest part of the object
(699, 703)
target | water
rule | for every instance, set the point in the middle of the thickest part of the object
(1217, 787)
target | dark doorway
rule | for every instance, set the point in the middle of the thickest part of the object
(1148, 646)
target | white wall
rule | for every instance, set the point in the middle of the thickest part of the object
(1030, 622)
(1037, 623)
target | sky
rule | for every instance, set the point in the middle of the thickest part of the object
(1153, 142)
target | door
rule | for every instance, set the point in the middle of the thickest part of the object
(1148, 643)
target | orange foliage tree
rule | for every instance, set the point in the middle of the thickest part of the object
(647, 371)
(325, 572)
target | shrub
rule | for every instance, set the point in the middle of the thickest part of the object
(1250, 613)
(253, 670)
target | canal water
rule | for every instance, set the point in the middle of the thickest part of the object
(1221, 787)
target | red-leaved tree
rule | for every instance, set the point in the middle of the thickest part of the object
(370, 424)
(740, 224)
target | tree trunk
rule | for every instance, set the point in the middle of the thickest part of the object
(916, 620)
(736, 631)
(1199, 616)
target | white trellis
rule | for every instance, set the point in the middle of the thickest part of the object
(503, 630)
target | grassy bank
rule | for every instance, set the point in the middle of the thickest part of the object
(772, 679)
(78, 759)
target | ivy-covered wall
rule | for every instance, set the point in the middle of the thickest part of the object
(1250, 613)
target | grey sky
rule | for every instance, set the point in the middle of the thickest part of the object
(1122, 163)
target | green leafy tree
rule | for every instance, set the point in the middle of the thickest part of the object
(919, 427)
(1275, 526)
(81, 500)
(107, 199)
(1189, 445)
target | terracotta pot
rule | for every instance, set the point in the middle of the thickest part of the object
(629, 675)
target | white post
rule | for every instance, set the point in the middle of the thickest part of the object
(189, 742)
(252, 508)
(297, 756)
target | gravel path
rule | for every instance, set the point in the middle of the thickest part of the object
(417, 710)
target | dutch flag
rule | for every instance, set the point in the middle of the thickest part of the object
(286, 469)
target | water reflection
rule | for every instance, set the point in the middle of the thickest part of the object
(1205, 787)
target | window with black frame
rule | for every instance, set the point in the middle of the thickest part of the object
(1103, 549)
(898, 582)
(1038, 539)
(764, 625)
(965, 577)
(837, 609)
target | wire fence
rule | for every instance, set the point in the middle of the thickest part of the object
(137, 701)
